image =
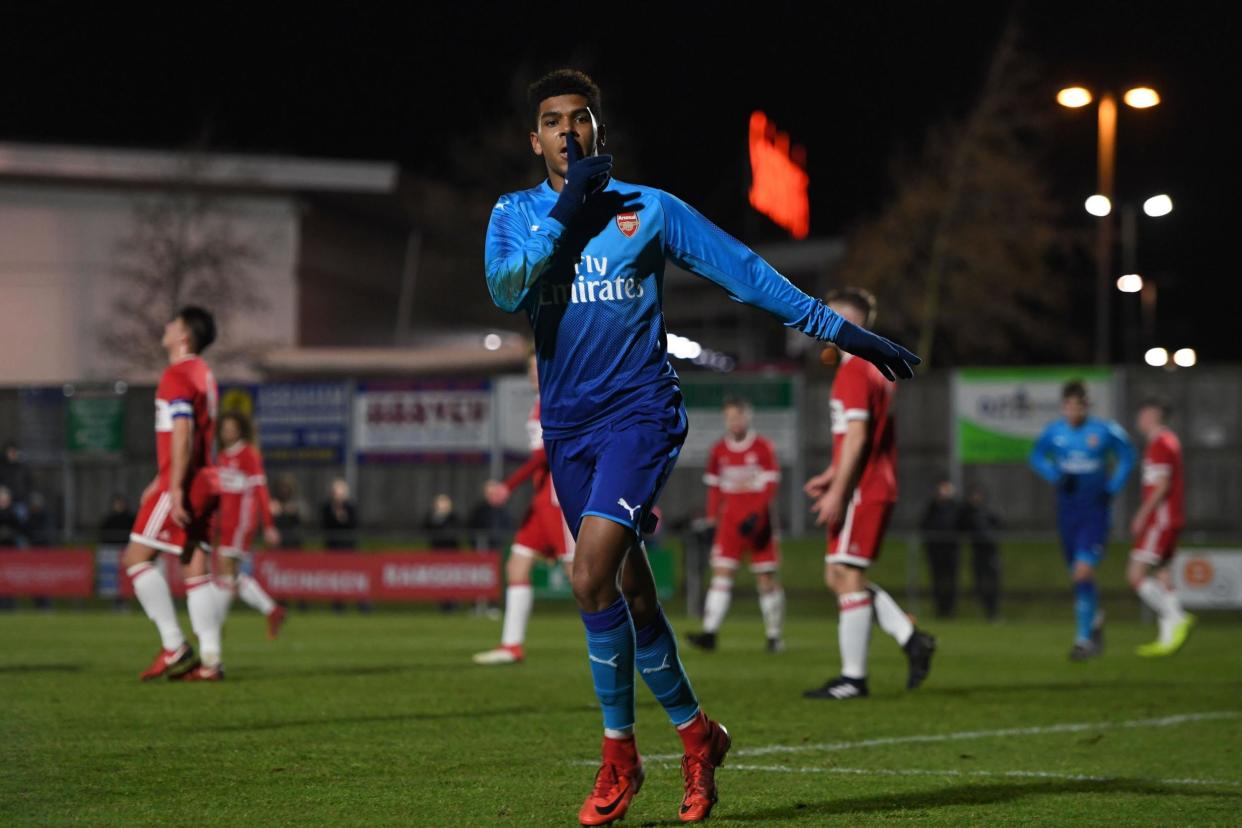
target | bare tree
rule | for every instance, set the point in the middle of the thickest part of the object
(966, 252)
(184, 247)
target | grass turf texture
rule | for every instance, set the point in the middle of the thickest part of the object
(383, 720)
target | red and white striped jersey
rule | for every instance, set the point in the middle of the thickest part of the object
(1163, 461)
(742, 476)
(860, 392)
(244, 500)
(187, 389)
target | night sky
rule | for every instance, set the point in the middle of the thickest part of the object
(857, 84)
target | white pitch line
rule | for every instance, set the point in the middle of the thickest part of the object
(1074, 777)
(965, 735)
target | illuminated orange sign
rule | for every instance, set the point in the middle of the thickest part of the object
(778, 177)
(1198, 572)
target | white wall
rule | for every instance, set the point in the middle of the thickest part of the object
(58, 249)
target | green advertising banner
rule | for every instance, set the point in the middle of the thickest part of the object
(96, 422)
(549, 580)
(1001, 411)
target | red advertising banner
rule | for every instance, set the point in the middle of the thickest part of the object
(346, 576)
(170, 565)
(54, 573)
(389, 576)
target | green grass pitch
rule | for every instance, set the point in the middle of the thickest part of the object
(383, 720)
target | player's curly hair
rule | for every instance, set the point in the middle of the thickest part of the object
(858, 298)
(563, 82)
(245, 427)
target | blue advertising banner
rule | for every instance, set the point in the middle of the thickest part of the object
(296, 422)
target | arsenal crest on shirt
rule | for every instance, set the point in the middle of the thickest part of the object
(627, 223)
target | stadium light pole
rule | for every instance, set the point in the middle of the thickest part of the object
(1077, 97)
(1157, 206)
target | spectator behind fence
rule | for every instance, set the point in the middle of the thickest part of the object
(442, 525)
(40, 529)
(12, 527)
(39, 533)
(15, 476)
(443, 532)
(980, 524)
(490, 522)
(940, 541)
(115, 527)
(288, 511)
(338, 518)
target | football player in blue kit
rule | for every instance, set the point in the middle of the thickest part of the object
(1072, 453)
(583, 255)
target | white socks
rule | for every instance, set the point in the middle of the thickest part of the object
(205, 617)
(772, 605)
(854, 633)
(717, 604)
(890, 616)
(720, 596)
(156, 599)
(518, 601)
(249, 591)
(222, 589)
(1164, 603)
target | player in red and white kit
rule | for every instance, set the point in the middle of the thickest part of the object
(543, 533)
(245, 505)
(179, 504)
(742, 478)
(1155, 526)
(854, 497)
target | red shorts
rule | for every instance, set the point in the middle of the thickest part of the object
(1156, 544)
(236, 541)
(730, 545)
(544, 533)
(856, 539)
(155, 528)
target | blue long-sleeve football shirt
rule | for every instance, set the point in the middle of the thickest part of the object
(595, 304)
(1076, 460)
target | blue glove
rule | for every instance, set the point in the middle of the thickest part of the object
(892, 359)
(584, 177)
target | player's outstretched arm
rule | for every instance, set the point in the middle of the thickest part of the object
(538, 461)
(892, 359)
(701, 247)
(517, 255)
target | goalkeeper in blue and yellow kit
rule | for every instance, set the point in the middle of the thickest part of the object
(583, 255)
(1072, 453)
